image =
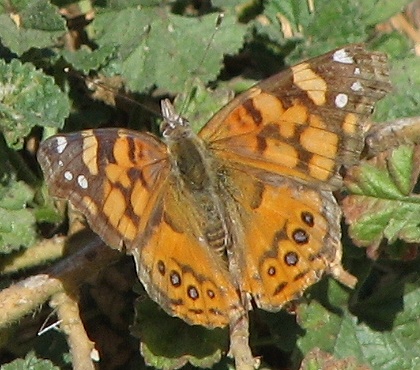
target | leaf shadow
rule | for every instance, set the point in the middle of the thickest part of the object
(380, 298)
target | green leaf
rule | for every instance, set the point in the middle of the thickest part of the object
(286, 19)
(16, 229)
(319, 360)
(341, 334)
(170, 343)
(378, 11)
(124, 4)
(30, 362)
(341, 23)
(86, 60)
(15, 196)
(17, 222)
(331, 26)
(34, 24)
(404, 102)
(381, 205)
(145, 61)
(28, 97)
(46, 210)
(228, 4)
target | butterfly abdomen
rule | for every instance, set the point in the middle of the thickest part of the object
(217, 235)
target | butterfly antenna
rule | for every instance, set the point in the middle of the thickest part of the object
(219, 21)
(188, 97)
(94, 85)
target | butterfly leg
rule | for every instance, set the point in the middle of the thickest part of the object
(239, 345)
(239, 340)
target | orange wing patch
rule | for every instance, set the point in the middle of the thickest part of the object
(314, 85)
(293, 142)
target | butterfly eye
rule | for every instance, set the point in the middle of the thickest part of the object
(176, 130)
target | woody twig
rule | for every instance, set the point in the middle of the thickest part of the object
(27, 295)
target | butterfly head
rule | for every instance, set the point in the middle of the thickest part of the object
(173, 126)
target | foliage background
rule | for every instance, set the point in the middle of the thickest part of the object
(153, 49)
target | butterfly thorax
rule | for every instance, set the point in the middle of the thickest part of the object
(193, 173)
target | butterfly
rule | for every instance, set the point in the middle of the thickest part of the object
(242, 212)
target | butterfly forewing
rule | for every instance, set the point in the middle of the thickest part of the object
(305, 122)
(113, 176)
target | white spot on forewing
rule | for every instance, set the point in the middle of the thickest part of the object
(342, 56)
(82, 181)
(341, 100)
(356, 86)
(61, 144)
(68, 175)
(357, 71)
(60, 163)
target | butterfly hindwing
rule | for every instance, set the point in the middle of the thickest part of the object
(180, 270)
(290, 236)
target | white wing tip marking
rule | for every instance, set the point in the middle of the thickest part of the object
(342, 56)
(61, 144)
